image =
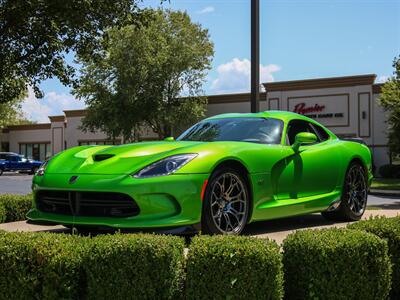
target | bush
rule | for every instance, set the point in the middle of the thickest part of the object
(135, 267)
(16, 206)
(2, 213)
(41, 266)
(336, 264)
(390, 171)
(388, 229)
(228, 267)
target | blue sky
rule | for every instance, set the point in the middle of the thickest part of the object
(299, 39)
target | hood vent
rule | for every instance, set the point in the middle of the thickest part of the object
(100, 157)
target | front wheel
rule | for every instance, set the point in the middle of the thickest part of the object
(34, 170)
(354, 196)
(226, 203)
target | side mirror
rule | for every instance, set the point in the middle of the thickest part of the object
(303, 138)
(169, 139)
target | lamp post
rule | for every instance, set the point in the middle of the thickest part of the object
(255, 56)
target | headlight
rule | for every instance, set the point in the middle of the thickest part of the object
(165, 166)
(42, 168)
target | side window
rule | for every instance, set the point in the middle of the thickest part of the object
(11, 158)
(321, 133)
(297, 126)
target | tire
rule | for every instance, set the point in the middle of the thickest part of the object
(33, 171)
(354, 196)
(1, 172)
(226, 203)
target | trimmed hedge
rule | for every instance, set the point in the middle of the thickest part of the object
(2, 213)
(135, 267)
(15, 206)
(41, 266)
(388, 229)
(229, 267)
(390, 171)
(336, 264)
(60, 266)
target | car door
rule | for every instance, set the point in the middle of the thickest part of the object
(313, 169)
(12, 162)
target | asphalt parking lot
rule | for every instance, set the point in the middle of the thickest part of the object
(15, 183)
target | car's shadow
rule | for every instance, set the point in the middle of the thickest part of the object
(256, 228)
(287, 224)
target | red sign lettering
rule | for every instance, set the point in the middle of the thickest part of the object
(301, 108)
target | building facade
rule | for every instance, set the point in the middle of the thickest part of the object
(348, 106)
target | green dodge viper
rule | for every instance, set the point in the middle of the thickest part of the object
(222, 173)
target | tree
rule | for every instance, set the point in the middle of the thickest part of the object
(390, 101)
(10, 114)
(35, 36)
(143, 74)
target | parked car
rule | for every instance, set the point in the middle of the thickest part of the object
(10, 161)
(222, 173)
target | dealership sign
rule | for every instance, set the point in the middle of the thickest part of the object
(330, 110)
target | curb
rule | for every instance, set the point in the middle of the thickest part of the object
(377, 192)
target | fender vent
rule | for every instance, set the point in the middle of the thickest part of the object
(100, 157)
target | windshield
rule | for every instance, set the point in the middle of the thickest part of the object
(255, 130)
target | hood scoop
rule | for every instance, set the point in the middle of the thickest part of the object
(100, 157)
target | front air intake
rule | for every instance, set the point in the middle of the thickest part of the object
(100, 157)
(87, 204)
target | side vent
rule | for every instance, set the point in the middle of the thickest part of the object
(100, 157)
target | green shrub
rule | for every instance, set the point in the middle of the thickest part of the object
(228, 267)
(388, 229)
(16, 206)
(336, 264)
(2, 213)
(390, 171)
(41, 266)
(135, 267)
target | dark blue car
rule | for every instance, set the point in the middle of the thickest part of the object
(15, 162)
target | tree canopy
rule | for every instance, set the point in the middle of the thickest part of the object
(35, 36)
(10, 114)
(390, 101)
(143, 75)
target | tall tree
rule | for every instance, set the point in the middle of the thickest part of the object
(10, 114)
(35, 36)
(144, 72)
(390, 101)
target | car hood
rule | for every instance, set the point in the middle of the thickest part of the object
(123, 159)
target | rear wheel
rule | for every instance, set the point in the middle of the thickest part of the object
(226, 203)
(34, 170)
(354, 196)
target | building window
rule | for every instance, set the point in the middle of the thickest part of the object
(5, 146)
(99, 142)
(37, 151)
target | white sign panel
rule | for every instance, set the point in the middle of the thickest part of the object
(329, 110)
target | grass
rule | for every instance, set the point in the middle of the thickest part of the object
(373, 208)
(386, 184)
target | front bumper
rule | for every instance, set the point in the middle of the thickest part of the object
(165, 201)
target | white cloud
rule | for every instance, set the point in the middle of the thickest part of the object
(206, 10)
(234, 76)
(50, 105)
(382, 79)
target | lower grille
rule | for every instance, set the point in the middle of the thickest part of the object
(87, 204)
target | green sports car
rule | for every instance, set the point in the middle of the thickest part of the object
(222, 173)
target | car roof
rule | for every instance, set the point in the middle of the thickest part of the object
(285, 116)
